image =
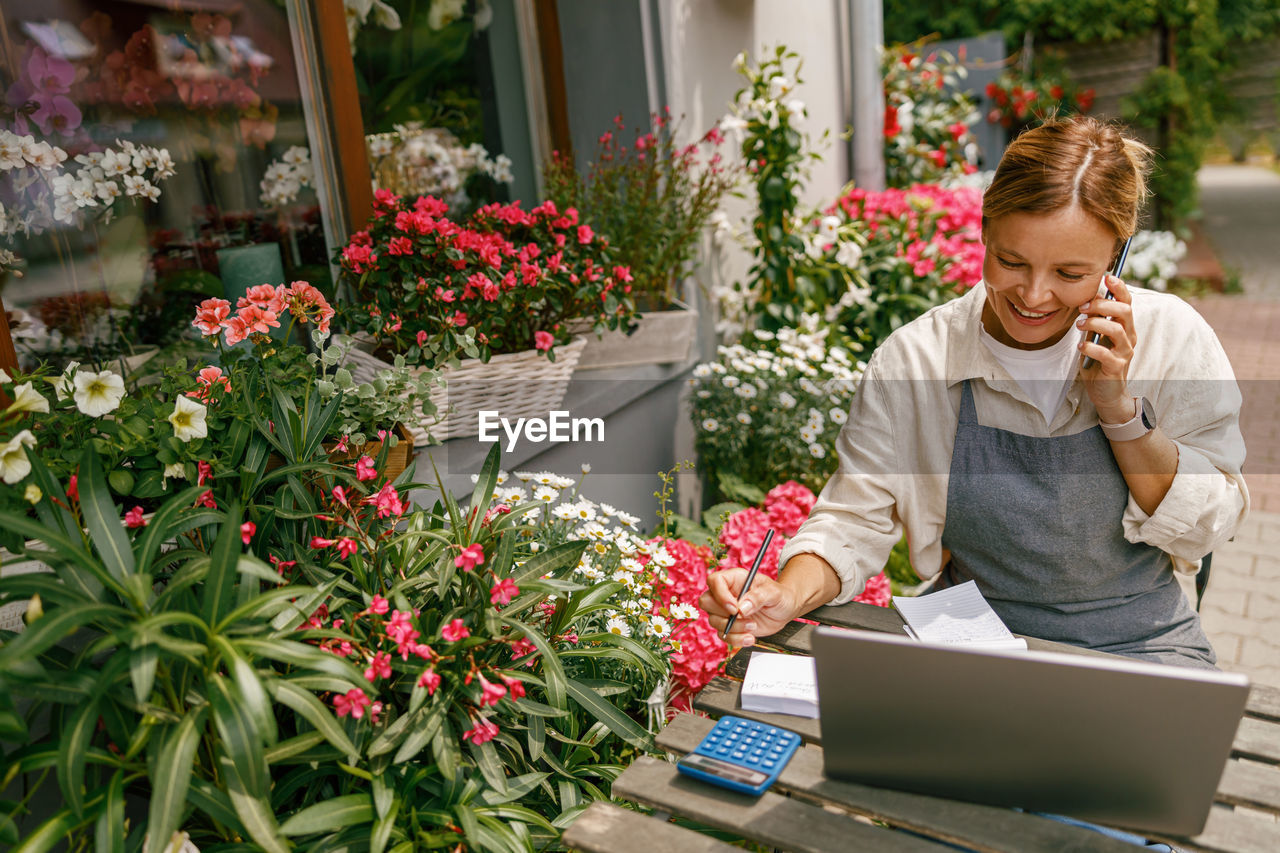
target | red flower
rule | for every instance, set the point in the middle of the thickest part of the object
(543, 340)
(483, 732)
(207, 500)
(490, 693)
(73, 488)
(133, 518)
(353, 703)
(455, 631)
(877, 591)
(429, 679)
(470, 557)
(247, 530)
(514, 686)
(891, 126)
(503, 591)
(379, 667)
(379, 605)
(585, 234)
(365, 469)
(346, 547)
(204, 473)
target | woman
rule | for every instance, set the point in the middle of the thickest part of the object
(1070, 495)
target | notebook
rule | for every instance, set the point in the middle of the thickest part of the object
(1097, 737)
(780, 684)
(955, 615)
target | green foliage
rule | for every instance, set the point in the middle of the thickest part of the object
(927, 116)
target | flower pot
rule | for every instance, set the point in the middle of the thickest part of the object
(516, 385)
(399, 457)
(662, 337)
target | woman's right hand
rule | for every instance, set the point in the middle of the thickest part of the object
(767, 607)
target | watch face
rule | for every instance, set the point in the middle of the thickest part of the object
(1148, 414)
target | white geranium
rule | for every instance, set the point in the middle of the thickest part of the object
(188, 419)
(96, 394)
(14, 464)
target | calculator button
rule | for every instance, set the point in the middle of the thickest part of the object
(767, 763)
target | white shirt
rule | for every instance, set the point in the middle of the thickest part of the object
(1043, 374)
(895, 450)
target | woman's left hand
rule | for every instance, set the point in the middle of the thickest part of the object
(1106, 382)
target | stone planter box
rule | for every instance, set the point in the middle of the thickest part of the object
(662, 337)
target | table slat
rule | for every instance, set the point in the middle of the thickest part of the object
(721, 696)
(1257, 739)
(1264, 701)
(1250, 784)
(770, 819)
(988, 828)
(1231, 831)
(606, 828)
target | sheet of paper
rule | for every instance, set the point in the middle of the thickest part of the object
(956, 615)
(781, 684)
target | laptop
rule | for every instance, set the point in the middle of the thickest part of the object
(1106, 739)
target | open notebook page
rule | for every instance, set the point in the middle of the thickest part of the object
(781, 684)
(958, 615)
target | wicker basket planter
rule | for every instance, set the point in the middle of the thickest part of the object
(662, 337)
(516, 385)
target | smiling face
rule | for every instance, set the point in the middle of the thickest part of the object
(1039, 269)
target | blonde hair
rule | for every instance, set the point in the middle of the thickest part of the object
(1078, 160)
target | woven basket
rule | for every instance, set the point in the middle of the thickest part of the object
(515, 385)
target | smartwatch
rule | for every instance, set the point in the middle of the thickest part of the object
(1143, 422)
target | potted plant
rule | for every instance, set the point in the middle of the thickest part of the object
(498, 287)
(653, 196)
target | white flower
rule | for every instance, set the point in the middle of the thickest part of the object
(96, 394)
(108, 191)
(795, 106)
(27, 399)
(591, 573)
(743, 418)
(4, 376)
(710, 424)
(779, 86)
(564, 512)
(513, 495)
(188, 419)
(786, 400)
(817, 451)
(731, 381)
(586, 468)
(175, 471)
(14, 464)
(631, 564)
(827, 229)
(113, 163)
(658, 627)
(524, 476)
(583, 510)
(662, 557)
(848, 254)
(628, 519)
(618, 625)
(702, 371)
(32, 494)
(545, 478)
(684, 611)
(134, 184)
(838, 416)
(545, 494)
(149, 191)
(592, 530)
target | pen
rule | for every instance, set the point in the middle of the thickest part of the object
(1119, 268)
(751, 576)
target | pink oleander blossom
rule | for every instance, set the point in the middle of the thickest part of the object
(353, 702)
(490, 693)
(471, 556)
(455, 631)
(503, 591)
(483, 732)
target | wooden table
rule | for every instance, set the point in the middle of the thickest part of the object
(806, 811)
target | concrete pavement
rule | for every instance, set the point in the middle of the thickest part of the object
(1241, 607)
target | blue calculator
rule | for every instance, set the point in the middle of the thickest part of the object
(741, 755)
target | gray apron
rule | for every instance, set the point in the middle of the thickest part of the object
(1016, 507)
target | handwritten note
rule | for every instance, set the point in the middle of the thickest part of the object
(958, 615)
(781, 684)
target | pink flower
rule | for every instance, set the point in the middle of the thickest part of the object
(207, 500)
(379, 667)
(247, 530)
(133, 518)
(340, 495)
(514, 686)
(211, 315)
(429, 679)
(379, 605)
(788, 505)
(544, 340)
(421, 337)
(258, 320)
(318, 542)
(471, 556)
(400, 246)
(483, 732)
(455, 631)
(387, 499)
(459, 319)
(346, 547)
(365, 469)
(503, 591)
(399, 625)
(490, 693)
(204, 473)
(353, 703)
(877, 591)
(585, 234)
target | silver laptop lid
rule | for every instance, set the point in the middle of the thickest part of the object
(1105, 739)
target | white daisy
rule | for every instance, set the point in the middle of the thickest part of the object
(618, 625)
(743, 418)
(817, 451)
(683, 611)
(658, 627)
(545, 494)
(710, 424)
(564, 512)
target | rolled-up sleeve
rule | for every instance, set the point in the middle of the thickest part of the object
(1208, 499)
(854, 523)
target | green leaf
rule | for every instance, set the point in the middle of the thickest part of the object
(537, 738)
(330, 815)
(73, 742)
(739, 489)
(484, 488)
(216, 804)
(142, 670)
(99, 513)
(241, 741)
(550, 661)
(253, 696)
(306, 705)
(172, 775)
(606, 712)
(254, 811)
(52, 627)
(77, 568)
(421, 735)
(516, 788)
(108, 835)
(219, 586)
(551, 560)
(490, 766)
(301, 654)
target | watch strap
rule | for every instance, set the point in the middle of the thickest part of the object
(1134, 428)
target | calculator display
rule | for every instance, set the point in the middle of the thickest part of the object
(724, 769)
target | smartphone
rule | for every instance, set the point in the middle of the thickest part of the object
(1115, 271)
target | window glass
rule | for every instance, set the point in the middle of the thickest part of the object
(152, 154)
